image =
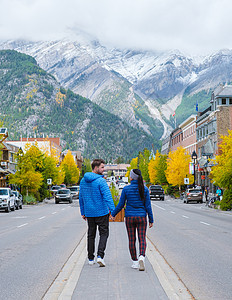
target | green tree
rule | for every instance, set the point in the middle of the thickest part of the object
(143, 164)
(162, 167)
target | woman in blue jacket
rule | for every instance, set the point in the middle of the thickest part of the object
(138, 205)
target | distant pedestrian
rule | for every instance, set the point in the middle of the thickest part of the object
(218, 193)
(206, 193)
(138, 205)
(96, 203)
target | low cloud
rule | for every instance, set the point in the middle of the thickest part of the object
(197, 27)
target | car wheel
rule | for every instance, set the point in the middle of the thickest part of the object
(57, 202)
(8, 208)
(20, 206)
(17, 206)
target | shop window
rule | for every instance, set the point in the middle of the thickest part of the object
(230, 101)
(223, 101)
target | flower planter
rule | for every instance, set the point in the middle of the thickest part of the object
(120, 216)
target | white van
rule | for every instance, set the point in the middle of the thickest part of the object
(7, 199)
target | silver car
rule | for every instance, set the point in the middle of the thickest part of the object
(74, 191)
(193, 195)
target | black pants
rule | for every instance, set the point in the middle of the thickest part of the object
(103, 228)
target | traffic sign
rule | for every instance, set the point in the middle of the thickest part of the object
(186, 180)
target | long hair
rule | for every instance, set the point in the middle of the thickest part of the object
(140, 184)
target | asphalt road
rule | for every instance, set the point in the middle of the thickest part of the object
(35, 242)
(197, 242)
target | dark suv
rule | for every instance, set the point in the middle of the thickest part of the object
(63, 195)
(156, 192)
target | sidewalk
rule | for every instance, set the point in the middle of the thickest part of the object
(118, 280)
(78, 280)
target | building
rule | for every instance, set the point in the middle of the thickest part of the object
(215, 121)
(78, 158)
(46, 145)
(119, 170)
(188, 128)
(176, 138)
(8, 161)
(165, 146)
(202, 133)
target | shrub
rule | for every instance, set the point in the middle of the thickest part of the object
(226, 202)
(30, 199)
(114, 193)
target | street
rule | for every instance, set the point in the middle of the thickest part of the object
(35, 243)
(197, 242)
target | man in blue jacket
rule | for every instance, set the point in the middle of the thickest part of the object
(95, 204)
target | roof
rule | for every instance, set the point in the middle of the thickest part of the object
(223, 92)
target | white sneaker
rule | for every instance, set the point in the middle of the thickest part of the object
(135, 264)
(141, 263)
(101, 262)
(91, 262)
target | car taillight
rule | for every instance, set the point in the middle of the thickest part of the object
(188, 194)
(200, 193)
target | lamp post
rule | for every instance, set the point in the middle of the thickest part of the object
(194, 157)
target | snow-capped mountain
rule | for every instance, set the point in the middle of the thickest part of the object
(143, 88)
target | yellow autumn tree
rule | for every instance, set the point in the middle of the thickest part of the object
(27, 177)
(178, 167)
(222, 171)
(70, 169)
(133, 165)
(152, 168)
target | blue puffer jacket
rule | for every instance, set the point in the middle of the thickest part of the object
(134, 205)
(95, 197)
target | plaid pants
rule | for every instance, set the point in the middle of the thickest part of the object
(139, 223)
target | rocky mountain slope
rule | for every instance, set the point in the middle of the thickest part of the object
(142, 88)
(34, 103)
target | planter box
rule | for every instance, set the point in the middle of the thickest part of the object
(120, 216)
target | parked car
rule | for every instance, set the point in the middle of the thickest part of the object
(193, 195)
(74, 191)
(54, 189)
(18, 200)
(7, 199)
(156, 192)
(63, 195)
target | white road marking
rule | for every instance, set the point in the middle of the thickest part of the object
(55, 212)
(205, 223)
(22, 225)
(172, 212)
(159, 206)
(41, 218)
(185, 217)
(22, 217)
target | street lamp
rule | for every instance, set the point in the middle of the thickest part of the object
(194, 157)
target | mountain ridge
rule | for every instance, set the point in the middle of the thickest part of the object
(34, 103)
(118, 79)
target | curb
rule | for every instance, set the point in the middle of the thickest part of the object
(171, 283)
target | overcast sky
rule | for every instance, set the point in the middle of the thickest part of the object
(192, 26)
